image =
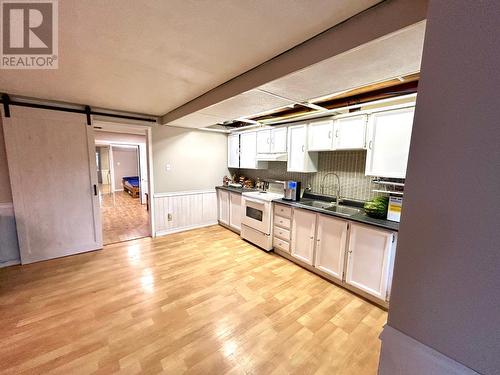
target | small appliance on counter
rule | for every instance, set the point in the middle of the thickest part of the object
(292, 191)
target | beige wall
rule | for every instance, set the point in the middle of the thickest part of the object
(197, 159)
(125, 164)
(446, 287)
(5, 193)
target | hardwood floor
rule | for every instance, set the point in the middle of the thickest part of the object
(202, 301)
(123, 217)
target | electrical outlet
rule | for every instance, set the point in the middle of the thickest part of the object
(169, 217)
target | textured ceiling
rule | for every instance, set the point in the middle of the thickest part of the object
(151, 56)
(394, 55)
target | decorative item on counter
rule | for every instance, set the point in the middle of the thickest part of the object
(377, 207)
(258, 184)
(225, 181)
(394, 211)
(249, 184)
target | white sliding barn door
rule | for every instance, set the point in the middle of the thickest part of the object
(52, 166)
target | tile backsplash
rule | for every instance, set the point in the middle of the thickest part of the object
(349, 165)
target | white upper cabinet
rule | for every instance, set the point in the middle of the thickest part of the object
(248, 151)
(321, 135)
(369, 259)
(264, 141)
(271, 141)
(303, 234)
(350, 133)
(330, 245)
(279, 140)
(233, 151)
(299, 159)
(389, 134)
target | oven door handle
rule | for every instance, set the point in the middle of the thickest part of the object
(254, 201)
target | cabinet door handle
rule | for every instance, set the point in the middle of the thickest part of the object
(330, 134)
(370, 144)
(337, 133)
(303, 148)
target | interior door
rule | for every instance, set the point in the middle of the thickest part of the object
(330, 245)
(52, 166)
(303, 231)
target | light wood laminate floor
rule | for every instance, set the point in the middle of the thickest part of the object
(200, 302)
(123, 217)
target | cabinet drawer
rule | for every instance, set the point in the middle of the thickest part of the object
(282, 222)
(282, 233)
(281, 244)
(283, 211)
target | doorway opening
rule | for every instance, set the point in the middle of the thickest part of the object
(123, 186)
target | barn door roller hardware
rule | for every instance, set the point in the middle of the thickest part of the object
(86, 110)
(6, 107)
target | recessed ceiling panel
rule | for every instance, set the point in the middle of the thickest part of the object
(394, 55)
(246, 104)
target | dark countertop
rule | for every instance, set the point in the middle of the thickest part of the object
(235, 189)
(360, 217)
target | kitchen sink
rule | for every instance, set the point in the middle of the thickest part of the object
(344, 210)
(338, 209)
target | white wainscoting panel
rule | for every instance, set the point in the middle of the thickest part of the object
(178, 211)
(9, 248)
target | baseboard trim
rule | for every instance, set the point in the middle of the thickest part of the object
(10, 263)
(183, 229)
(402, 354)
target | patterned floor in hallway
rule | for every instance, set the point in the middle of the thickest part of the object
(123, 218)
(198, 302)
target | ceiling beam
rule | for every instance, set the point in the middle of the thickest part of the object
(377, 21)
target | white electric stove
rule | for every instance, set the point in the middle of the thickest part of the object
(257, 219)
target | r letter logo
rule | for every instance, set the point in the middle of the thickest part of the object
(29, 34)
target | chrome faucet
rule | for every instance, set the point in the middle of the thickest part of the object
(338, 199)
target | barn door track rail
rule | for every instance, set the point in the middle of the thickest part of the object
(83, 109)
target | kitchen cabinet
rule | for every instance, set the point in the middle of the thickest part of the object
(235, 211)
(270, 141)
(389, 134)
(233, 151)
(299, 159)
(279, 140)
(248, 151)
(350, 133)
(264, 141)
(369, 259)
(321, 135)
(223, 206)
(331, 240)
(303, 235)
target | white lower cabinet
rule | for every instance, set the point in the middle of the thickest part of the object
(235, 211)
(370, 252)
(325, 242)
(303, 235)
(223, 206)
(331, 240)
